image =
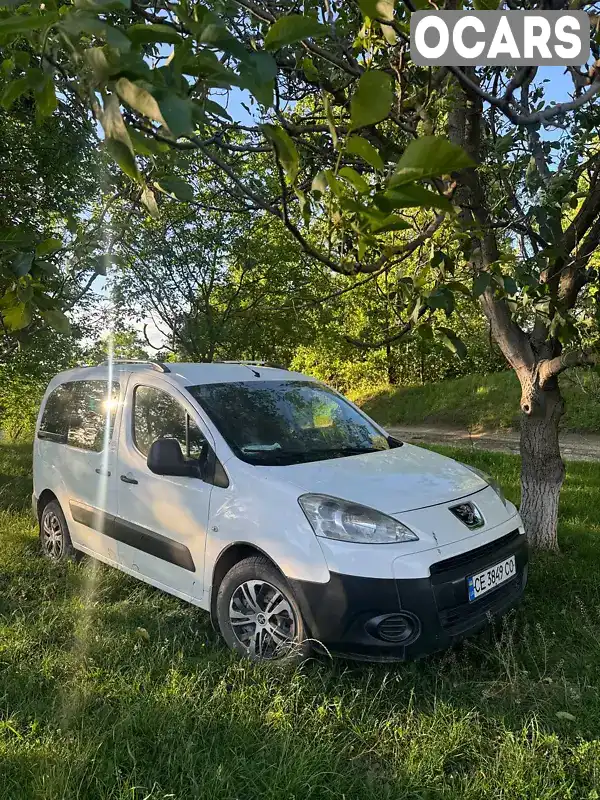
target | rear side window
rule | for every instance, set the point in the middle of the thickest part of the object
(158, 415)
(81, 413)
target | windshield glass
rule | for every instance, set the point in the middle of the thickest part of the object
(287, 422)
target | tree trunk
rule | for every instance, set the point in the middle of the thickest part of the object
(392, 375)
(542, 468)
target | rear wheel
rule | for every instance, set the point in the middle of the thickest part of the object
(55, 539)
(258, 614)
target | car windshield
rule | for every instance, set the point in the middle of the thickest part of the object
(287, 422)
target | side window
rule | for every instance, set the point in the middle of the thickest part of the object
(91, 416)
(158, 415)
(81, 413)
(55, 419)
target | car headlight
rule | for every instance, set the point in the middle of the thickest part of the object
(492, 482)
(333, 518)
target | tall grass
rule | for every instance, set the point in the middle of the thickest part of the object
(131, 695)
(479, 401)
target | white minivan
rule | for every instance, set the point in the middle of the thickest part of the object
(274, 503)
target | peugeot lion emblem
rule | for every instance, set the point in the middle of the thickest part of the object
(468, 514)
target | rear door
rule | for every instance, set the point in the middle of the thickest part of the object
(162, 520)
(76, 447)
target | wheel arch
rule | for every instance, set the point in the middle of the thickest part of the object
(228, 558)
(45, 497)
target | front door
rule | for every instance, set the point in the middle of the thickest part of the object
(161, 521)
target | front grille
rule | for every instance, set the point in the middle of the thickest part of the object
(473, 555)
(463, 616)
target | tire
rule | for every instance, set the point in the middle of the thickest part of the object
(251, 589)
(55, 539)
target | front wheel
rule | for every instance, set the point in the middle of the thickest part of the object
(258, 615)
(55, 539)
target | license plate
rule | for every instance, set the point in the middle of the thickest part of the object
(491, 577)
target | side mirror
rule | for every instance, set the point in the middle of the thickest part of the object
(165, 458)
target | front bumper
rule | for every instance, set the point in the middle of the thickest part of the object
(340, 613)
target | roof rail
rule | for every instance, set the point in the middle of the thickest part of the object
(156, 365)
(254, 364)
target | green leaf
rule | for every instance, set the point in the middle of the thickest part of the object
(258, 76)
(310, 71)
(452, 342)
(14, 238)
(45, 99)
(354, 179)
(481, 282)
(293, 28)
(17, 317)
(441, 298)
(57, 320)
(372, 101)
(216, 109)
(20, 23)
(359, 146)
(48, 246)
(149, 200)
(139, 98)
(429, 157)
(124, 157)
(510, 285)
(391, 223)
(485, 5)
(177, 112)
(175, 187)
(285, 149)
(377, 9)
(412, 196)
(146, 145)
(117, 140)
(47, 266)
(78, 22)
(13, 91)
(152, 33)
(319, 183)
(22, 264)
(425, 331)
(330, 119)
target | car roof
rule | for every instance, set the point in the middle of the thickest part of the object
(184, 373)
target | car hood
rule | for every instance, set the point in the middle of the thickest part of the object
(393, 481)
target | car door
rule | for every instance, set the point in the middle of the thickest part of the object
(162, 520)
(76, 442)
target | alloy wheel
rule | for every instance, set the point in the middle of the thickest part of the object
(53, 540)
(262, 619)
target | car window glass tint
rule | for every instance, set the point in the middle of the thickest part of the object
(91, 413)
(158, 415)
(55, 419)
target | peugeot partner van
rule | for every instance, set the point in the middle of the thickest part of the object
(271, 501)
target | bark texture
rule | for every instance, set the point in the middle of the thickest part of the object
(542, 468)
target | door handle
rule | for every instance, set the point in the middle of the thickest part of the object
(128, 479)
(103, 472)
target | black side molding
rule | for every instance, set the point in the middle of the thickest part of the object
(155, 544)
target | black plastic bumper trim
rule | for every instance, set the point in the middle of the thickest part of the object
(337, 613)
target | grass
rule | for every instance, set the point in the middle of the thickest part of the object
(479, 401)
(110, 690)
